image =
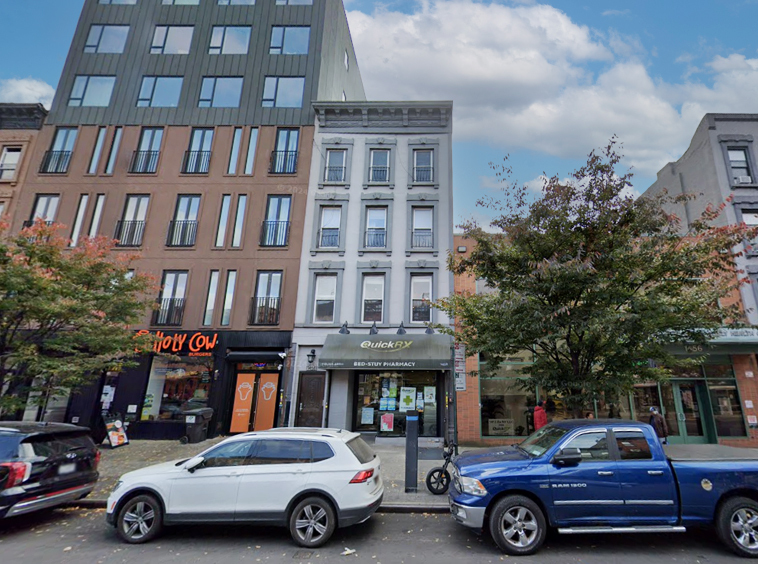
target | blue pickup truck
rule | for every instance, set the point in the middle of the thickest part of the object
(614, 476)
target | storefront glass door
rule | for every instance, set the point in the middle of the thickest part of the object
(689, 402)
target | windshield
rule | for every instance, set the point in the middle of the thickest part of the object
(539, 442)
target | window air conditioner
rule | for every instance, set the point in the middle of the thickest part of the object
(744, 180)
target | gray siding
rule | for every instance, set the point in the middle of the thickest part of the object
(334, 77)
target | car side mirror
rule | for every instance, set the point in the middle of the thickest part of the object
(568, 457)
(193, 464)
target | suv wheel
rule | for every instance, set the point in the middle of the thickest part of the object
(140, 519)
(312, 522)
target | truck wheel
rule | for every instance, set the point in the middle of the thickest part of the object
(518, 525)
(737, 526)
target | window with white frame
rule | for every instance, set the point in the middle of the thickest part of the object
(376, 227)
(106, 39)
(223, 220)
(329, 234)
(239, 221)
(92, 91)
(172, 40)
(289, 40)
(421, 297)
(113, 154)
(229, 40)
(739, 165)
(226, 314)
(79, 219)
(423, 223)
(283, 92)
(379, 165)
(45, 207)
(335, 165)
(252, 145)
(98, 150)
(97, 214)
(234, 154)
(325, 295)
(210, 299)
(9, 161)
(372, 303)
(423, 165)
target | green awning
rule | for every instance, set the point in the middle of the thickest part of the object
(387, 352)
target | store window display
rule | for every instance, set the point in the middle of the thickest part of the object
(176, 386)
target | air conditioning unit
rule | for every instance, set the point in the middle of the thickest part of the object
(744, 180)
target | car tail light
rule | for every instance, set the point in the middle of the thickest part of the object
(362, 476)
(98, 454)
(18, 472)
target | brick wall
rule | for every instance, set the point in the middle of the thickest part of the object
(748, 388)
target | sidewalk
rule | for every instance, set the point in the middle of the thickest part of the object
(139, 454)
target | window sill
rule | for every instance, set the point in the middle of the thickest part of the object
(740, 186)
(389, 185)
(272, 248)
(435, 252)
(413, 185)
(341, 252)
(322, 185)
(369, 250)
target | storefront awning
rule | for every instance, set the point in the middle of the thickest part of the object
(387, 352)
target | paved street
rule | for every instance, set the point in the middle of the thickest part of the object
(77, 536)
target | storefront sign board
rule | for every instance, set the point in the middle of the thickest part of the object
(460, 381)
(243, 401)
(411, 352)
(460, 357)
(116, 432)
(195, 344)
(501, 427)
(265, 407)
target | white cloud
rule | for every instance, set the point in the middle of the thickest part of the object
(26, 90)
(528, 77)
(616, 12)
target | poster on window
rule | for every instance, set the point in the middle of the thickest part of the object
(388, 423)
(501, 427)
(367, 416)
(407, 399)
(114, 426)
(430, 395)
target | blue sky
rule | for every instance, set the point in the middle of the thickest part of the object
(545, 82)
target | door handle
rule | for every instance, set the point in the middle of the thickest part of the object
(655, 472)
(605, 473)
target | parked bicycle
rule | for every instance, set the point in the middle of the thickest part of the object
(438, 478)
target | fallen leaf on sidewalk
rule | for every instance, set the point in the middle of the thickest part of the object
(348, 551)
(67, 549)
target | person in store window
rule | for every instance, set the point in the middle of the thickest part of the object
(540, 417)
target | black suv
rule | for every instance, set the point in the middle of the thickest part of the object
(43, 465)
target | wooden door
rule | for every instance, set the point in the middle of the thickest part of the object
(310, 411)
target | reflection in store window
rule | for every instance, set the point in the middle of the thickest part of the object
(175, 387)
(727, 410)
(506, 407)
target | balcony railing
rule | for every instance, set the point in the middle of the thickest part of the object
(144, 162)
(264, 311)
(196, 162)
(129, 233)
(283, 162)
(376, 238)
(329, 238)
(422, 239)
(181, 233)
(55, 162)
(30, 223)
(275, 233)
(335, 174)
(423, 174)
(421, 311)
(7, 173)
(379, 174)
(169, 313)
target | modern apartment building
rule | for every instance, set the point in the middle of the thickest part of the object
(184, 130)
(377, 233)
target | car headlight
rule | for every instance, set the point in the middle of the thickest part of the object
(117, 486)
(472, 486)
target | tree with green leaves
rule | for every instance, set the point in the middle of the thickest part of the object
(65, 313)
(598, 285)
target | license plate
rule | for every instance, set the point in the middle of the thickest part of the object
(67, 468)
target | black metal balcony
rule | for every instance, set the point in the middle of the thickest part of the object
(196, 162)
(422, 239)
(376, 238)
(329, 238)
(283, 162)
(275, 233)
(30, 223)
(423, 174)
(129, 233)
(264, 311)
(170, 312)
(335, 174)
(7, 173)
(55, 162)
(421, 311)
(379, 174)
(144, 162)
(181, 233)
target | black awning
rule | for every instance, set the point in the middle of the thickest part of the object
(252, 356)
(385, 352)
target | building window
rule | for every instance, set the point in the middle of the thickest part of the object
(324, 298)
(228, 40)
(287, 40)
(738, 163)
(113, 154)
(379, 165)
(210, 300)
(372, 303)
(276, 226)
(223, 220)
(121, 2)
(57, 159)
(505, 400)
(329, 234)
(92, 91)
(294, 2)
(231, 281)
(106, 39)
(335, 165)
(97, 214)
(220, 92)
(131, 227)
(251, 147)
(266, 305)
(344, 96)
(234, 155)
(421, 298)
(284, 158)
(98, 151)
(79, 220)
(376, 228)
(172, 40)
(423, 234)
(9, 160)
(180, 2)
(239, 221)
(175, 385)
(423, 168)
(159, 92)
(347, 61)
(145, 158)
(182, 230)
(236, 2)
(2, 208)
(45, 208)
(170, 310)
(197, 159)
(283, 92)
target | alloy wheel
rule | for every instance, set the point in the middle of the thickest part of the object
(311, 523)
(138, 521)
(744, 526)
(519, 526)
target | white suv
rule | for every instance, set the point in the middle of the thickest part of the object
(310, 480)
